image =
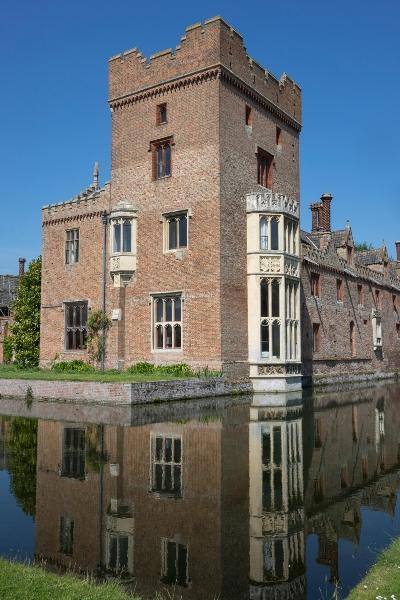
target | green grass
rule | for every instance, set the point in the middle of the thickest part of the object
(25, 582)
(11, 372)
(383, 579)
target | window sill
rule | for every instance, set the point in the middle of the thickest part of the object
(163, 350)
(161, 178)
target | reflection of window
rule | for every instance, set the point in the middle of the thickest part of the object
(167, 315)
(121, 235)
(318, 433)
(344, 477)
(73, 460)
(76, 314)
(118, 547)
(174, 563)
(176, 231)
(66, 535)
(166, 464)
(72, 246)
(161, 158)
(319, 488)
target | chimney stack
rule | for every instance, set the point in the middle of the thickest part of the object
(315, 217)
(21, 266)
(325, 223)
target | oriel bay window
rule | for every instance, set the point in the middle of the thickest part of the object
(161, 158)
(292, 323)
(290, 236)
(269, 233)
(167, 322)
(270, 318)
(121, 235)
(76, 314)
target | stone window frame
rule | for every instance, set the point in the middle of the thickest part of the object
(155, 324)
(265, 239)
(72, 246)
(69, 327)
(165, 545)
(175, 492)
(166, 158)
(165, 220)
(66, 535)
(121, 222)
(77, 451)
(161, 114)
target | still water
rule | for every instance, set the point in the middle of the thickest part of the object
(208, 499)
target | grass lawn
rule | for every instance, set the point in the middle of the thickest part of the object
(383, 580)
(11, 372)
(21, 582)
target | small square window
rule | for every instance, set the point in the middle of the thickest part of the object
(161, 117)
(175, 231)
(72, 246)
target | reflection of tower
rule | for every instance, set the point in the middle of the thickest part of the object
(276, 504)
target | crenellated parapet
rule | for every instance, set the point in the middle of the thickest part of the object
(207, 50)
(91, 202)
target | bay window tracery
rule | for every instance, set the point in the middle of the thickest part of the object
(290, 235)
(292, 323)
(167, 317)
(270, 322)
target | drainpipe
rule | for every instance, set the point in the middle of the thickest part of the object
(104, 220)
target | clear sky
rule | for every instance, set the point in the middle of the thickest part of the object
(55, 122)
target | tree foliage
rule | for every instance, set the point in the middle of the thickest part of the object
(25, 330)
(22, 448)
(363, 246)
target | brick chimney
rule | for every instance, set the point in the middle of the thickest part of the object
(325, 221)
(314, 217)
(397, 244)
(21, 266)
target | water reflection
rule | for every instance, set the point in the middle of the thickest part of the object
(230, 502)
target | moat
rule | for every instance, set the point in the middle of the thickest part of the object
(220, 498)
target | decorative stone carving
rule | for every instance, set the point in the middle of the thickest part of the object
(115, 263)
(287, 369)
(270, 264)
(291, 267)
(269, 201)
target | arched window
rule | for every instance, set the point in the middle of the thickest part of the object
(264, 298)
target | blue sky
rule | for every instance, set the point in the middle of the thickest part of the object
(54, 119)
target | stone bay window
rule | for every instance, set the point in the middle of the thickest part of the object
(167, 322)
(273, 268)
(122, 222)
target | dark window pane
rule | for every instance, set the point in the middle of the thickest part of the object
(158, 478)
(275, 299)
(277, 446)
(276, 340)
(178, 336)
(123, 553)
(177, 479)
(127, 237)
(266, 448)
(279, 558)
(167, 159)
(266, 499)
(265, 338)
(159, 336)
(168, 478)
(168, 309)
(264, 299)
(112, 563)
(159, 310)
(159, 159)
(183, 232)
(159, 448)
(117, 237)
(168, 449)
(182, 564)
(171, 562)
(177, 450)
(172, 234)
(274, 235)
(168, 336)
(177, 309)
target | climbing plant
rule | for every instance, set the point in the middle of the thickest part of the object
(98, 325)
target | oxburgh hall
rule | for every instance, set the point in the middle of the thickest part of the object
(194, 248)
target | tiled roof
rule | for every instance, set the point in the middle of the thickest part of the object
(370, 257)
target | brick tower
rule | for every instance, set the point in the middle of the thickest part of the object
(193, 132)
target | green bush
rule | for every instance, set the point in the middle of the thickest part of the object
(179, 370)
(74, 366)
(7, 349)
(141, 367)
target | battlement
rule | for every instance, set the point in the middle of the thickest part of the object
(204, 47)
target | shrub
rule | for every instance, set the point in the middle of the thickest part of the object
(179, 370)
(7, 349)
(98, 325)
(76, 366)
(141, 367)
